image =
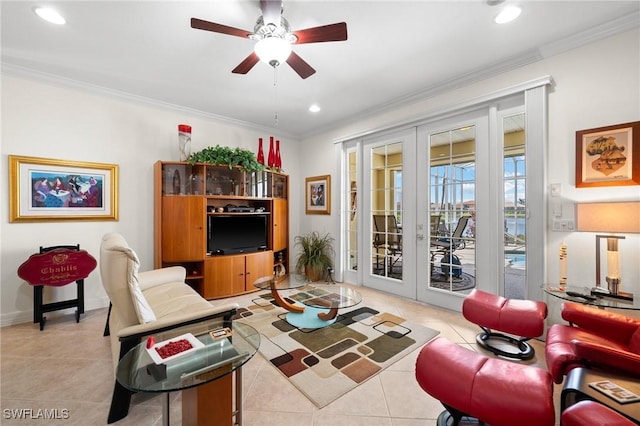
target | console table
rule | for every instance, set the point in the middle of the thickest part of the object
(204, 376)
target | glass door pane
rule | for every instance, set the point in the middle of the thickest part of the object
(515, 229)
(352, 208)
(452, 209)
(386, 210)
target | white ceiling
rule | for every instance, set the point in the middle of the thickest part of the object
(396, 50)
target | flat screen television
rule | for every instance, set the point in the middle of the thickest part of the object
(238, 233)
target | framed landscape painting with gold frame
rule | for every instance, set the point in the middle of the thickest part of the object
(318, 195)
(44, 189)
(608, 156)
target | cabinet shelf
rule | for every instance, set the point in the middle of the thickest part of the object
(195, 277)
(236, 197)
(238, 213)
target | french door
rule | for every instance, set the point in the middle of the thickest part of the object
(450, 204)
(388, 240)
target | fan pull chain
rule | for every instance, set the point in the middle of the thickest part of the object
(275, 95)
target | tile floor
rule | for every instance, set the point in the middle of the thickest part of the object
(67, 369)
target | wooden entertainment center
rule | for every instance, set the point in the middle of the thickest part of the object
(187, 194)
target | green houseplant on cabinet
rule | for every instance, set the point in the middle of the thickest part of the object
(315, 255)
(225, 156)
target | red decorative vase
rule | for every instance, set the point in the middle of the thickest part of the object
(278, 159)
(272, 154)
(260, 153)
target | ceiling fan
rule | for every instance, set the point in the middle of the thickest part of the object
(274, 38)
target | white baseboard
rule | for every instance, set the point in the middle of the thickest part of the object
(21, 317)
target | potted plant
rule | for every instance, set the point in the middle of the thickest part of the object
(315, 256)
(225, 156)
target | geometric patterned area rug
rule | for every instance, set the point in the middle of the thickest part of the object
(328, 362)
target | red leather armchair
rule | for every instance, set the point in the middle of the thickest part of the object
(494, 391)
(596, 339)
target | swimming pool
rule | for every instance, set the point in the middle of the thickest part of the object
(516, 259)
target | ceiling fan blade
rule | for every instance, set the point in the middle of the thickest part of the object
(199, 24)
(271, 11)
(300, 66)
(246, 65)
(331, 32)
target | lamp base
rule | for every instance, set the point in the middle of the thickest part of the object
(614, 285)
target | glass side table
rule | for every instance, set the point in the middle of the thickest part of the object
(600, 301)
(203, 375)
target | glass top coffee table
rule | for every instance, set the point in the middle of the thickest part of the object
(290, 283)
(314, 305)
(321, 304)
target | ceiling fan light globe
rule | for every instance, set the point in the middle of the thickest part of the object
(272, 50)
(508, 14)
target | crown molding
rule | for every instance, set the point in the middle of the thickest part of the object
(13, 70)
(599, 32)
(459, 108)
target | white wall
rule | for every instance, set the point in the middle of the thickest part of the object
(595, 85)
(55, 121)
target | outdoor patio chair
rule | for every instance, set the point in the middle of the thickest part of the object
(387, 237)
(447, 245)
(453, 243)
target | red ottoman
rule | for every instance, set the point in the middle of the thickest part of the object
(523, 318)
(495, 391)
(591, 413)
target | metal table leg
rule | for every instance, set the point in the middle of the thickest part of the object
(165, 410)
(238, 412)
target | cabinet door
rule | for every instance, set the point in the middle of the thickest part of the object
(280, 224)
(183, 228)
(258, 265)
(224, 276)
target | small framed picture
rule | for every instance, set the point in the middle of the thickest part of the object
(43, 189)
(608, 156)
(318, 195)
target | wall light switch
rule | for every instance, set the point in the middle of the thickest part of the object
(556, 189)
(563, 225)
(557, 210)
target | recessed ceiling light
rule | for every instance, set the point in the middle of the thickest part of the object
(314, 108)
(50, 15)
(508, 14)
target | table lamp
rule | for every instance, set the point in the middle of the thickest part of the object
(613, 217)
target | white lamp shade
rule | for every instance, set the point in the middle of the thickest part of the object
(272, 50)
(622, 217)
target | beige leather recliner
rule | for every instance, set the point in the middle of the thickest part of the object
(145, 303)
